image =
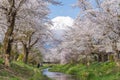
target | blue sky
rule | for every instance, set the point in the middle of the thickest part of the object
(64, 10)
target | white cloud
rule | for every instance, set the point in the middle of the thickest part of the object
(61, 22)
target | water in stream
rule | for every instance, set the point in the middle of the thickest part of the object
(58, 76)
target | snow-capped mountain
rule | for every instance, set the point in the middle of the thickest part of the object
(61, 23)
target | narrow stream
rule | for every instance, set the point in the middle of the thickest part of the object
(58, 75)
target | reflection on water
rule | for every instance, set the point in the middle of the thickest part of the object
(58, 76)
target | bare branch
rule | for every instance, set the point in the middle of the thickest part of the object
(20, 4)
(34, 43)
(3, 8)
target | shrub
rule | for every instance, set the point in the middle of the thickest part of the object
(73, 70)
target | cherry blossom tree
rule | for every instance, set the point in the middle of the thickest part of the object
(96, 27)
(14, 11)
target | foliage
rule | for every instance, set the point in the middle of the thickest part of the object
(1, 61)
(20, 57)
(96, 71)
(21, 71)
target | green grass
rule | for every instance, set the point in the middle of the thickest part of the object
(21, 71)
(96, 71)
(1, 61)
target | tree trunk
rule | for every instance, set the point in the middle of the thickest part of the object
(114, 46)
(8, 40)
(26, 57)
(26, 53)
(102, 57)
(7, 50)
(11, 15)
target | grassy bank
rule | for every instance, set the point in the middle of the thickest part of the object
(96, 71)
(20, 71)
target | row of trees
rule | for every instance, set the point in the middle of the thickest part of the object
(95, 34)
(23, 21)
